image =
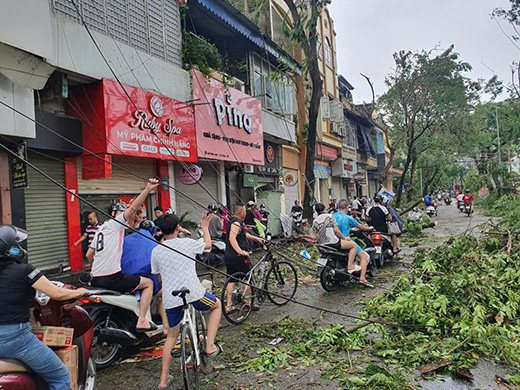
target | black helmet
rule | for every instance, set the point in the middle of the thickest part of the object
(148, 225)
(10, 239)
(378, 199)
(467, 191)
(212, 207)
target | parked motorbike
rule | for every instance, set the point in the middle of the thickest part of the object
(431, 211)
(215, 256)
(333, 268)
(447, 200)
(14, 375)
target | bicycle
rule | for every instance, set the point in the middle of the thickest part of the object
(192, 327)
(278, 283)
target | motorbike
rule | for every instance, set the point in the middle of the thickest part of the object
(15, 375)
(447, 200)
(383, 248)
(115, 317)
(460, 205)
(468, 209)
(333, 267)
(215, 256)
(297, 217)
(431, 211)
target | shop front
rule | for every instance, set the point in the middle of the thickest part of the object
(322, 178)
(332, 188)
(230, 143)
(150, 136)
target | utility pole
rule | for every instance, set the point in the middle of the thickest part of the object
(498, 133)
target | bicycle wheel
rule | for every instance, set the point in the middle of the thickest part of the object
(281, 282)
(190, 370)
(200, 322)
(241, 299)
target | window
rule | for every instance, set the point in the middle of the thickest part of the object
(320, 47)
(275, 91)
(152, 26)
(328, 52)
(350, 139)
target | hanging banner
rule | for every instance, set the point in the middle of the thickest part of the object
(148, 125)
(228, 122)
(18, 168)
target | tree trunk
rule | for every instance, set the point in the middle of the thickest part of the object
(430, 181)
(413, 169)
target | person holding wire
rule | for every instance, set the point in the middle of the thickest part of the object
(105, 251)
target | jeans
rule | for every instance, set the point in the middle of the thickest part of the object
(17, 342)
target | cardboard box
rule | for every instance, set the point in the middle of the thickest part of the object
(54, 336)
(69, 357)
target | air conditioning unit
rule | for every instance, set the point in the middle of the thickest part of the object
(248, 168)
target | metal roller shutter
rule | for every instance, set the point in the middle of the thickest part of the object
(46, 215)
(337, 189)
(121, 182)
(195, 194)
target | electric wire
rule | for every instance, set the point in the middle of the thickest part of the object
(48, 177)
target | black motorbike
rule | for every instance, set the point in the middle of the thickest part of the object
(382, 248)
(447, 200)
(214, 257)
(333, 268)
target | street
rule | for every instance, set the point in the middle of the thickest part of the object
(240, 346)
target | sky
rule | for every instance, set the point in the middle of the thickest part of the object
(370, 31)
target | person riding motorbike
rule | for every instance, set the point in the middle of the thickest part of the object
(468, 199)
(136, 259)
(297, 216)
(18, 285)
(460, 200)
(378, 216)
(327, 233)
(428, 201)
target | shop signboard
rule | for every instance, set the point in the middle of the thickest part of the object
(148, 125)
(228, 122)
(18, 167)
(272, 161)
(250, 181)
(351, 188)
(290, 178)
(190, 174)
(326, 152)
(321, 170)
(361, 177)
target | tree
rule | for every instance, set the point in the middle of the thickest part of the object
(303, 31)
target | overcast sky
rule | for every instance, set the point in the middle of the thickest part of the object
(370, 31)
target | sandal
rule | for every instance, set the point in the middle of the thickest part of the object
(216, 353)
(366, 284)
(356, 269)
(170, 382)
(144, 330)
(255, 307)
(230, 309)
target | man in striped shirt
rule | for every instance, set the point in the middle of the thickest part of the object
(91, 229)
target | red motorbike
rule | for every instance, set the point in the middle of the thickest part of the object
(14, 375)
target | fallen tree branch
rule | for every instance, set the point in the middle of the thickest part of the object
(411, 207)
(425, 226)
(353, 328)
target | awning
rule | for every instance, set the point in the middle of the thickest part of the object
(245, 27)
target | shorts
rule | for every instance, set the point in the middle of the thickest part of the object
(119, 282)
(337, 246)
(238, 267)
(207, 302)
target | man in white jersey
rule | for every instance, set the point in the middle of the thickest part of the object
(105, 255)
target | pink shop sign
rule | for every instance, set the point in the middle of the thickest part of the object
(228, 122)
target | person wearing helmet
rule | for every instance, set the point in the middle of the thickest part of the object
(468, 199)
(378, 216)
(105, 256)
(215, 224)
(18, 285)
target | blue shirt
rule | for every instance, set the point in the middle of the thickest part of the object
(137, 257)
(345, 223)
(428, 200)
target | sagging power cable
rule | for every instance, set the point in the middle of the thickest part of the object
(135, 231)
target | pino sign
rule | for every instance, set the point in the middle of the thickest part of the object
(190, 174)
